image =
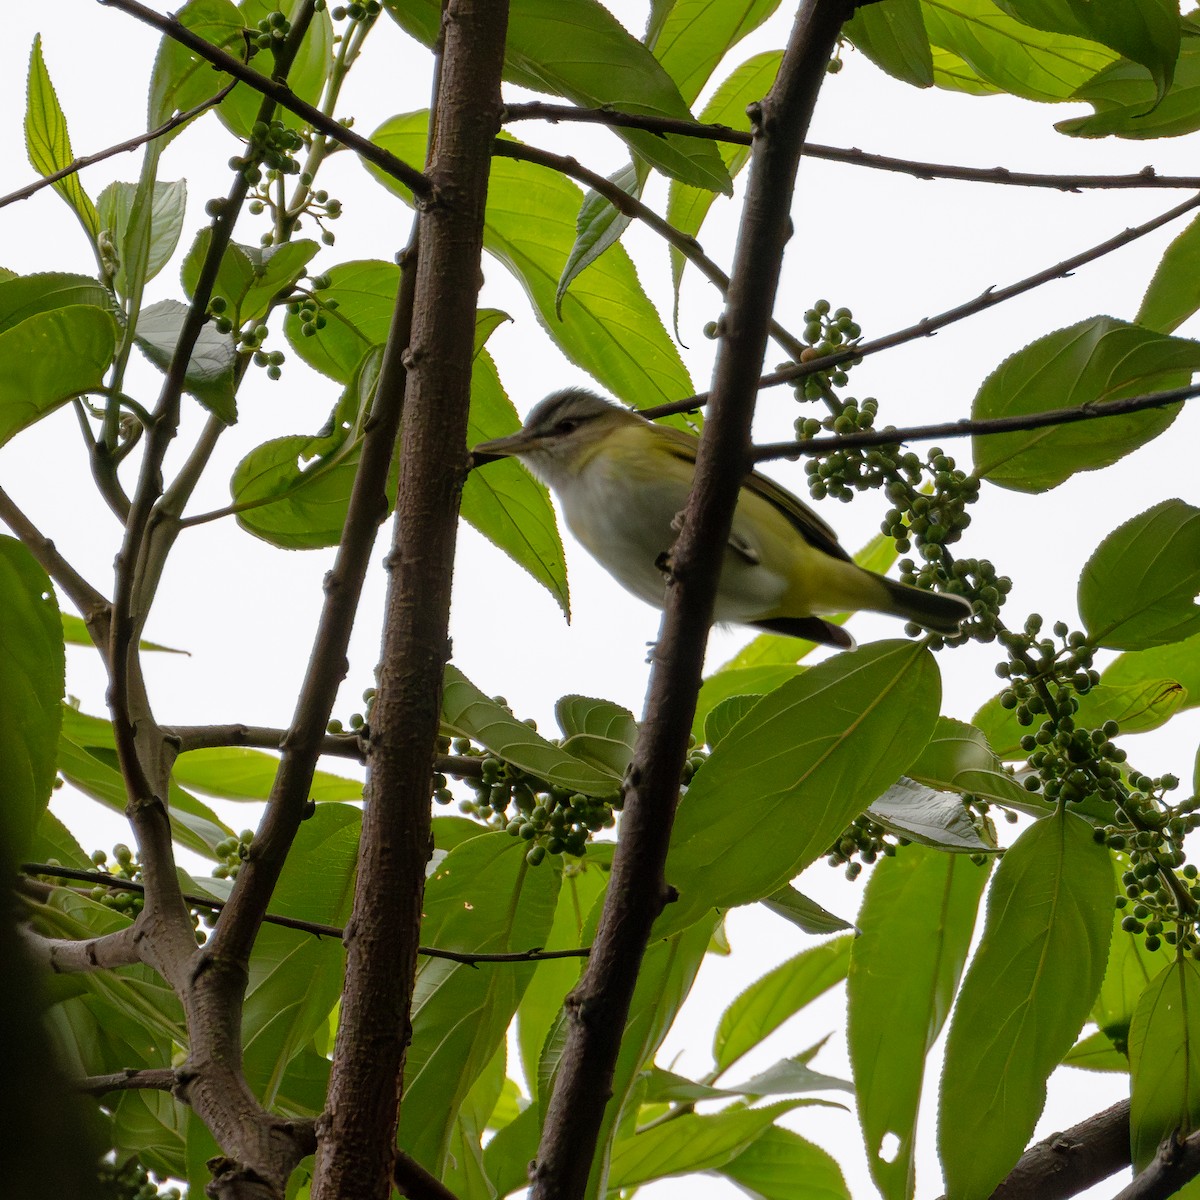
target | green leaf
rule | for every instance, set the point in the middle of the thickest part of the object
(580, 51)
(1139, 587)
(357, 307)
(960, 758)
(1094, 360)
(798, 767)
(804, 913)
(1146, 31)
(182, 79)
(691, 1143)
(892, 35)
(1025, 998)
(75, 633)
(210, 372)
(50, 358)
(1123, 96)
(24, 296)
(236, 773)
(53, 840)
(697, 34)
(1173, 294)
(748, 681)
(249, 277)
(1164, 1059)
(484, 898)
(32, 676)
(598, 731)
(1177, 661)
(721, 721)
(504, 501)
(781, 1165)
(1010, 55)
(778, 995)
(953, 74)
(48, 143)
(930, 817)
(1096, 1053)
(116, 205)
(306, 79)
(295, 978)
(467, 712)
(153, 1126)
(789, 1076)
(608, 326)
(917, 918)
(293, 491)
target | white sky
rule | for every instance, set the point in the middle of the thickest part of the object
(894, 249)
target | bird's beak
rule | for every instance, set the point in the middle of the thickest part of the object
(503, 447)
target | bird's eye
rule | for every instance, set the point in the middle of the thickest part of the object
(567, 425)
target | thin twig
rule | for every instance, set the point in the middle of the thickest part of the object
(117, 884)
(928, 326)
(967, 427)
(412, 1180)
(133, 143)
(159, 1079)
(420, 185)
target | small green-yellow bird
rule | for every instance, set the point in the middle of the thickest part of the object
(623, 481)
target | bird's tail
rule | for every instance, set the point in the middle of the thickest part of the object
(937, 611)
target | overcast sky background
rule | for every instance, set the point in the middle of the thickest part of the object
(892, 248)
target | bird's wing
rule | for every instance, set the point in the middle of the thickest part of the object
(798, 514)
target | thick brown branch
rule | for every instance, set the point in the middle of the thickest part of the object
(281, 94)
(598, 1008)
(412, 1180)
(158, 1079)
(133, 143)
(968, 427)
(1066, 1163)
(67, 956)
(1176, 1163)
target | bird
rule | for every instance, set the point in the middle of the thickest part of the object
(622, 483)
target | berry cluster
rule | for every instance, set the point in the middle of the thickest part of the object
(272, 145)
(311, 308)
(232, 852)
(131, 1181)
(863, 841)
(826, 332)
(356, 11)
(128, 866)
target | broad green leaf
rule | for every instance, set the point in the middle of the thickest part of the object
(1164, 1059)
(1173, 294)
(688, 206)
(691, 1143)
(295, 978)
(181, 79)
(747, 681)
(357, 307)
(598, 731)
(1026, 995)
(608, 326)
(1096, 1053)
(467, 712)
(1139, 587)
(721, 721)
(464, 1172)
(32, 676)
(483, 897)
(1010, 55)
(804, 913)
(892, 35)
(314, 61)
(210, 372)
(797, 769)
(789, 1076)
(580, 51)
(781, 1165)
(1123, 96)
(697, 34)
(933, 818)
(75, 633)
(52, 840)
(1095, 360)
(293, 491)
(236, 773)
(504, 501)
(249, 277)
(24, 296)
(153, 1126)
(953, 74)
(48, 143)
(50, 358)
(1178, 661)
(778, 995)
(507, 1156)
(1146, 31)
(959, 757)
(116, 207)
(917, 918)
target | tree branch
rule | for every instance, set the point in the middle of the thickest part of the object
(599, 1006)
(928, 326)
(1066, 1163)
(412, 1180)
(1176, 1163)
(68, 956)
(968, 427)
(419, 184)
(159, 1079)
(133, 143)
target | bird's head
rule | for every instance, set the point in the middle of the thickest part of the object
(560, 434)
